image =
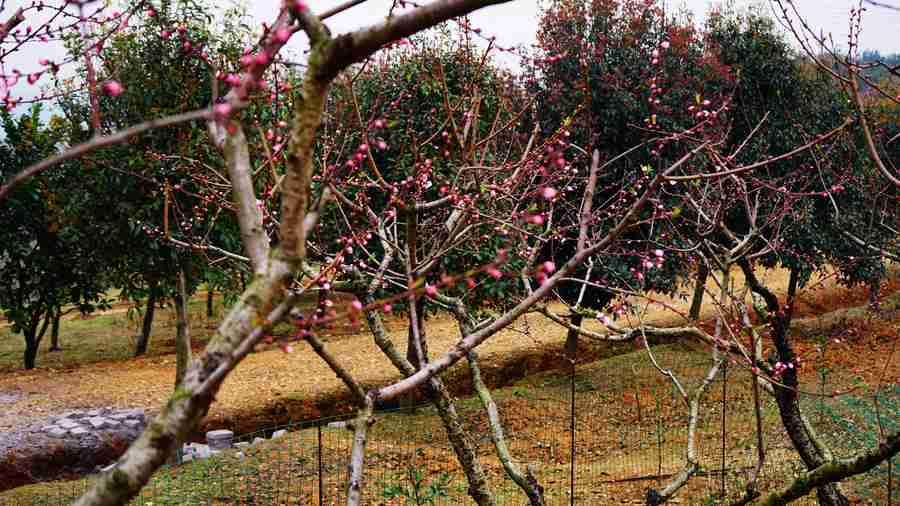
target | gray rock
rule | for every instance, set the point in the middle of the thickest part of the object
(118, 416)
(242, 445)
(219, 439)
(133, 423)
(135, 413)
(79, 431)
(94, 412)
(201, 451)
(47, 428)
(57, 432)
(112, 424)
(278, 433)
(257, 440)
(65, 423)
(97, 422)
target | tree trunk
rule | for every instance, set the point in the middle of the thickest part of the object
(183, 330)
(437, 393)
(31, 350)
(209, 302)
(462, 445)
(699, 289)
(54, 331)
(33, 338)
(409, 401)
(144, 338)
(805, 441)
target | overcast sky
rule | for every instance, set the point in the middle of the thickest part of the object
(515, 22)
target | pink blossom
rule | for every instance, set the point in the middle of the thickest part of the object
(282, 35)
(549, 193)
(223, 110)
(113, 88)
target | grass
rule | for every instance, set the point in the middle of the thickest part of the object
(108, 336)
(630, 430)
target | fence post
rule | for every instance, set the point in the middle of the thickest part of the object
(658, 438)
(321, 481)
(572, 433)
(724, 386)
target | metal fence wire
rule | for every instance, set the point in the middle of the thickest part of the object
(630, 434)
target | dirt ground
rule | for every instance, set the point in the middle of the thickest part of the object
(272, 387)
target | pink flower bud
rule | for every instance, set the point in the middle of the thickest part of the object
(113, 88)
(282, 35)
(223, 110)
(549, 193)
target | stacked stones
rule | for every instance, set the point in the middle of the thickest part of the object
(80, 424)
(218, 441)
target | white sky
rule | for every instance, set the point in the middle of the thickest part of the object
(515, 23)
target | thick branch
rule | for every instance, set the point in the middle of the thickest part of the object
(526, 481)
(359, 45)
(835, 471)
(358, 453)
(248, 208)
(319, 347)
(15, 20)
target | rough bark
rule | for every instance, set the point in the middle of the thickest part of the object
(147, 325)
(810, 448)
(526, 481)
(34, 333)
(31, 349)
(699, 289)
(183, 329)
(834, 471)
(440, 397)
(267, 301)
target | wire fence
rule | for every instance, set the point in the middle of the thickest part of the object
(601, 435)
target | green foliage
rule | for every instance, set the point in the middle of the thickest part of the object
(47, 246)
(595, 66)
(413, 93)
(419, 491)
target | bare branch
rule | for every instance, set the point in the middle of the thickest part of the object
(15, 20)
(100, 142)
(835, 471)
